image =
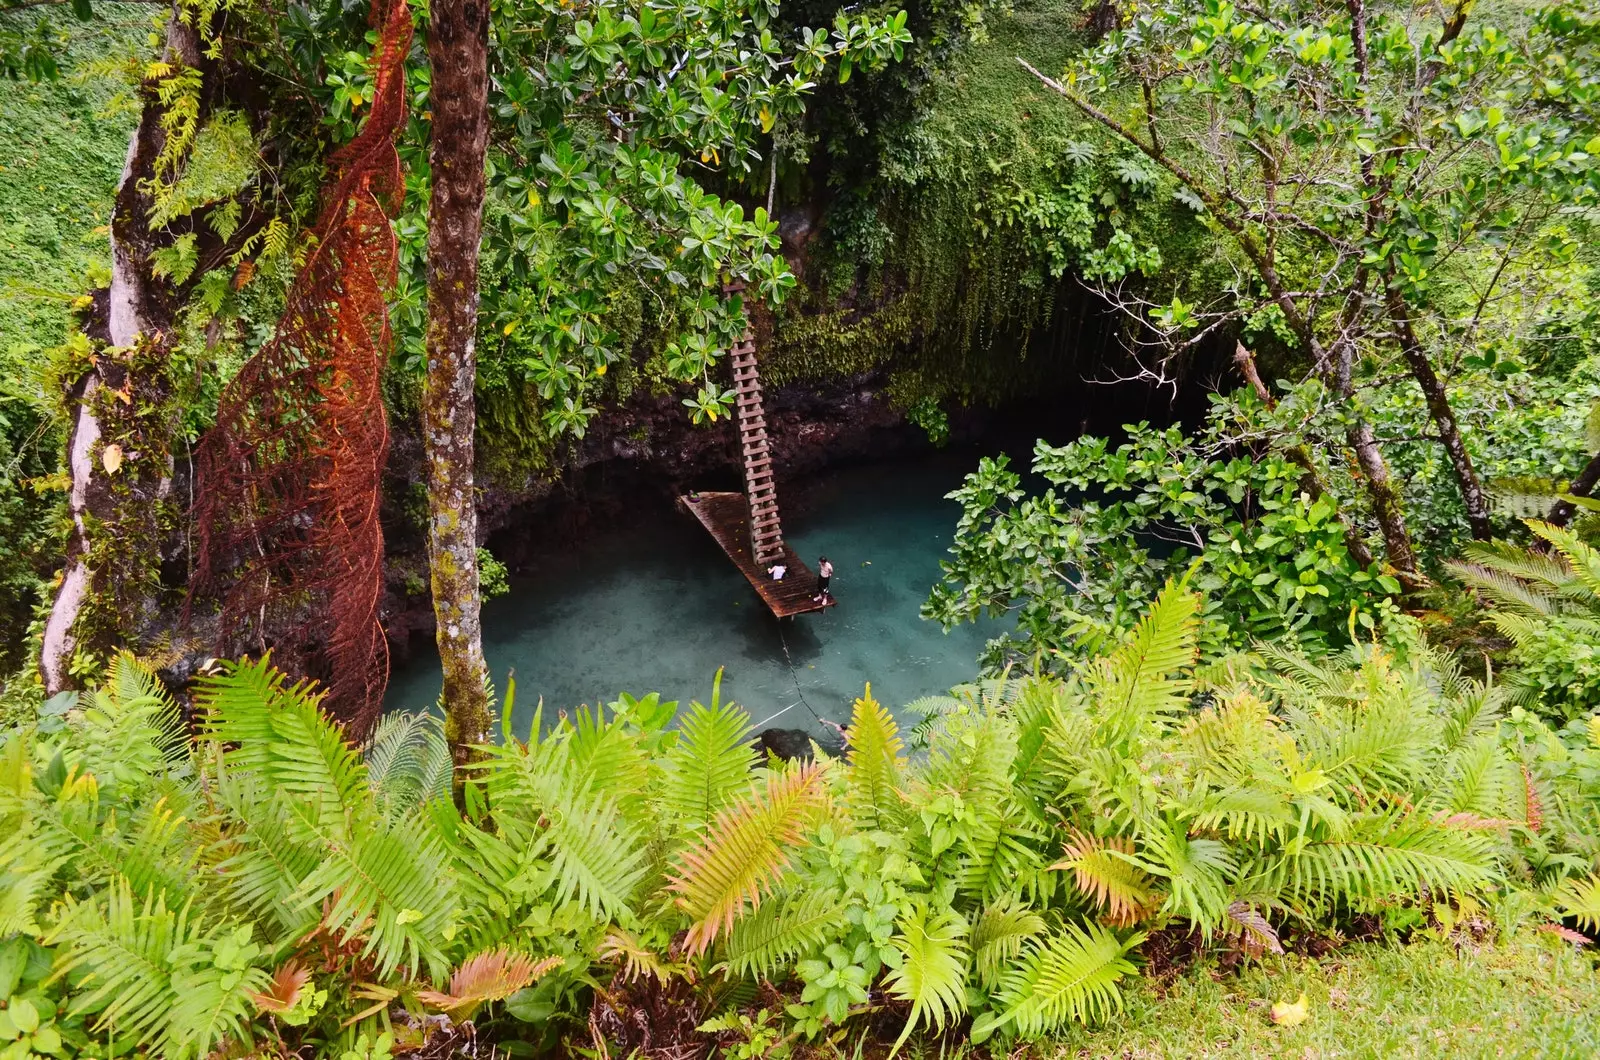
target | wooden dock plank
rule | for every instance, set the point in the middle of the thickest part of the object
(726, 516)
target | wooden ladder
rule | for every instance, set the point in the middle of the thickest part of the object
(760, 488)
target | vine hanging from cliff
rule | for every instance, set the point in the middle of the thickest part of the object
(287, 515)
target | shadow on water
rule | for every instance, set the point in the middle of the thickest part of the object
(648, 603)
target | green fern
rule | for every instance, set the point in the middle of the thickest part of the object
(782, 930)
(1000, 934)
(711, 762)
(1146, 677)
(933, 967)
(161, 976)
(1580, 899)
(873, 747)
(597, 855)
(278, 731)
(745, 853)
(1070, 975)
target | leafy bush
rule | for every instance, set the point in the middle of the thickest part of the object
(265, 884)
(1077, 562)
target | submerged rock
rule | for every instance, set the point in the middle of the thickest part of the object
(793, 745)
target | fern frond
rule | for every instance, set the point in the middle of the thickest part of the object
(745, 853)
(873, 759)
(610, 757)
(1139, 681)
(1253, 814)
(1106, 875)
(782, 930)
(1479, 778)
(1583, 560)
(711, 762)
(1389, 855)
(1000, 934)
(1254, 932)
(492, 976)
(390, 884)
(638, 960)
(937, 714)
(1197, 871)
(1001, 854)
(1505, 589)
(408, 761)
(262, 859)
(158, 975)
(1580, 899)
(597, 855)
(282, 991)
(1070, 975)
(933, 967)
(279, 732)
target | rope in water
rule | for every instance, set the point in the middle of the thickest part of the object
(794, 675)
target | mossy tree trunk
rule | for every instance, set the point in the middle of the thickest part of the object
(458, 51)
(114, 483)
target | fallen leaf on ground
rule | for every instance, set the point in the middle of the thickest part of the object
(1287, 1015)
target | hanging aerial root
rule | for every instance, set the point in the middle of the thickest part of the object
(287, 515)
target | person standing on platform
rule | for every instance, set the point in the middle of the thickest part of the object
(824, 576)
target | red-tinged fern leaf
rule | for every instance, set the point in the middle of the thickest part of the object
(1561, 931)
(288, 479)
(1533, 805)
(745, 853)
(1121, 890)
(283, 992)
(492, 976)
(1256, 935)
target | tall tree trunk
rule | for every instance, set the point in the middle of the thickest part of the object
(458, 51)
(137, 308)
(1444, 418)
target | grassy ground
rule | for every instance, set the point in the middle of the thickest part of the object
(60, 156)
(1532, 997)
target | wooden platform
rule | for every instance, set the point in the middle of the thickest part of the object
(727, 517)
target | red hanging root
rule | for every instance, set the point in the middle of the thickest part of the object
(289, 478)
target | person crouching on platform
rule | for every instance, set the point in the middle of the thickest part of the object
(778, 570)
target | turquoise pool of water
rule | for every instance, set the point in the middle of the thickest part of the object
(655, 606)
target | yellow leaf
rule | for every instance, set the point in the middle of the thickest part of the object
(509, 328)
(1287, 1015)
(601, 370)
(766, 120)
(533, 196)
(111, 459)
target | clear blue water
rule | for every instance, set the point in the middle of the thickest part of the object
(657, 607)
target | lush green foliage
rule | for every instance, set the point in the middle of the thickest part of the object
(1077, 561)
(263, 882)
(1548, 604)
